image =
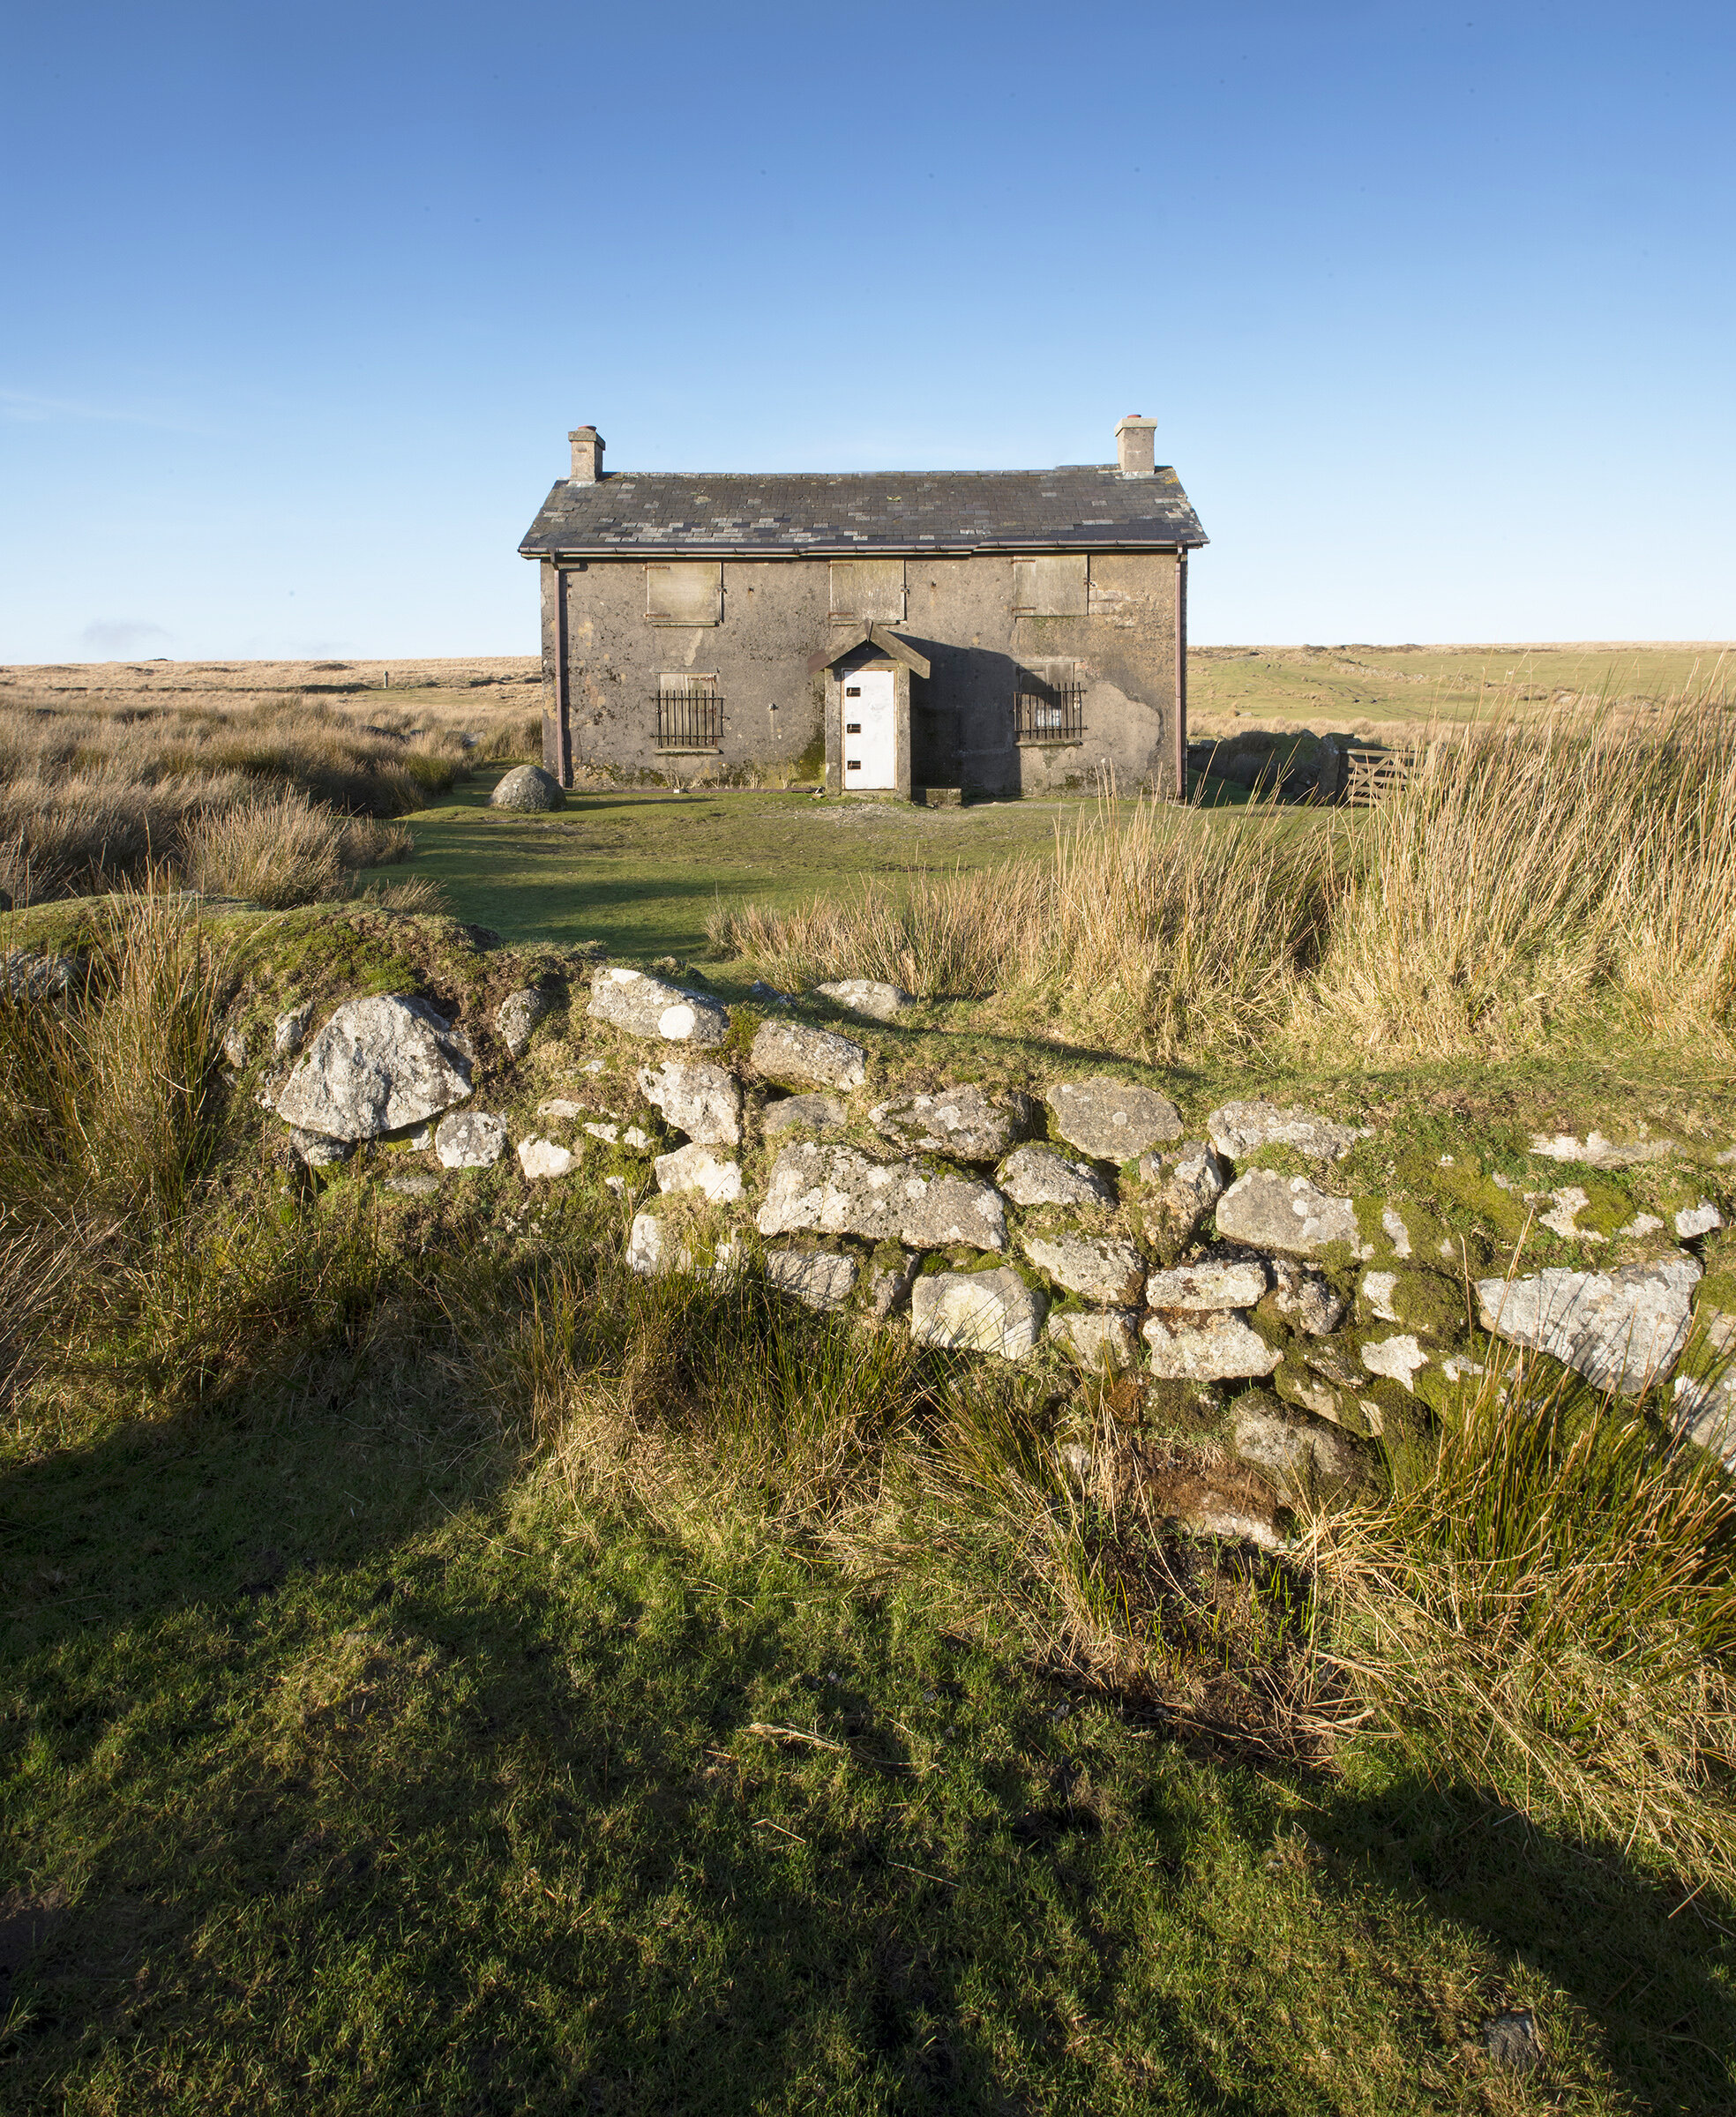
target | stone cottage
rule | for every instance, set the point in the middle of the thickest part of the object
(907, 634)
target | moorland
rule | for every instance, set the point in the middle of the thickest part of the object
(445, 1669)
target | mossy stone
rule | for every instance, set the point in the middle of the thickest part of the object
(1430, 1305)
(1463, 1185)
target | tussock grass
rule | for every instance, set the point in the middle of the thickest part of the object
(116, 1093)
(90, 798)
(133, 1247)
(1533, 880)
(1154, 928)
(1547, 1606)
(285, 850)
(1074, 1551)
(518, 735)
(705, 1402)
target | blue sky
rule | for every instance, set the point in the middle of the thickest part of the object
(1433, 305)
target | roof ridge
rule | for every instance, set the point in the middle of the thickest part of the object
(609, 477)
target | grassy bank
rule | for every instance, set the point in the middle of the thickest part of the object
(445, 1671)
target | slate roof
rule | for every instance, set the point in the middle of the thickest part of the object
(1078, 507)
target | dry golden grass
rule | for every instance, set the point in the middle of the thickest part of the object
(283, 850)
(101, 782)
(1532, 879)
(115, 1092)
(1535, 878)
(1156, 928)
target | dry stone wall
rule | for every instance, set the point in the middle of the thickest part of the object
(1091, 1221)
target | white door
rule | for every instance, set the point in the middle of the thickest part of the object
(870, 730)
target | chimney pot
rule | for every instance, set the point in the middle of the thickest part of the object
(586, 455)
(1136, 446)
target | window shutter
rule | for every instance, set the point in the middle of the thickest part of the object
(686, 593)
(1050, 588)
(870, 589)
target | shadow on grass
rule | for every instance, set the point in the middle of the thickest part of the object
(348, 1770)
(1647, 1962)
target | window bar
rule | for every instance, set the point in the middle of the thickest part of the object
(690, 715)
(1048, 713)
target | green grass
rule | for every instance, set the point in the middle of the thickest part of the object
(353, 1765)
(641, 871)
(397, 1595)
(351, 1760)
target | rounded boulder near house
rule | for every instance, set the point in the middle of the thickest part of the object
(527, 787)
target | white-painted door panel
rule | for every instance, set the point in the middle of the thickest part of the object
(870, 730)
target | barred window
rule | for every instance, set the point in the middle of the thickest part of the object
(690, 714)
(1048, 710)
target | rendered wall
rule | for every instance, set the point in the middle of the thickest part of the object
(776, 613)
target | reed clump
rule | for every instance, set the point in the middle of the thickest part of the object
(1535, 879)
(284, 850)
(137, 1246)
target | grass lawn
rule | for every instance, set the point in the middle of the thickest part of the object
(640, 871)
(352, 1765)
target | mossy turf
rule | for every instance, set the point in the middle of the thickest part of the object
(351, 1766)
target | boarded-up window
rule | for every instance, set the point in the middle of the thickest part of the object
(1049, 587)
(688, 593)
(869, 588)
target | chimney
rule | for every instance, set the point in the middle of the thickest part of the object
(588, 455)
(1135, 446)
